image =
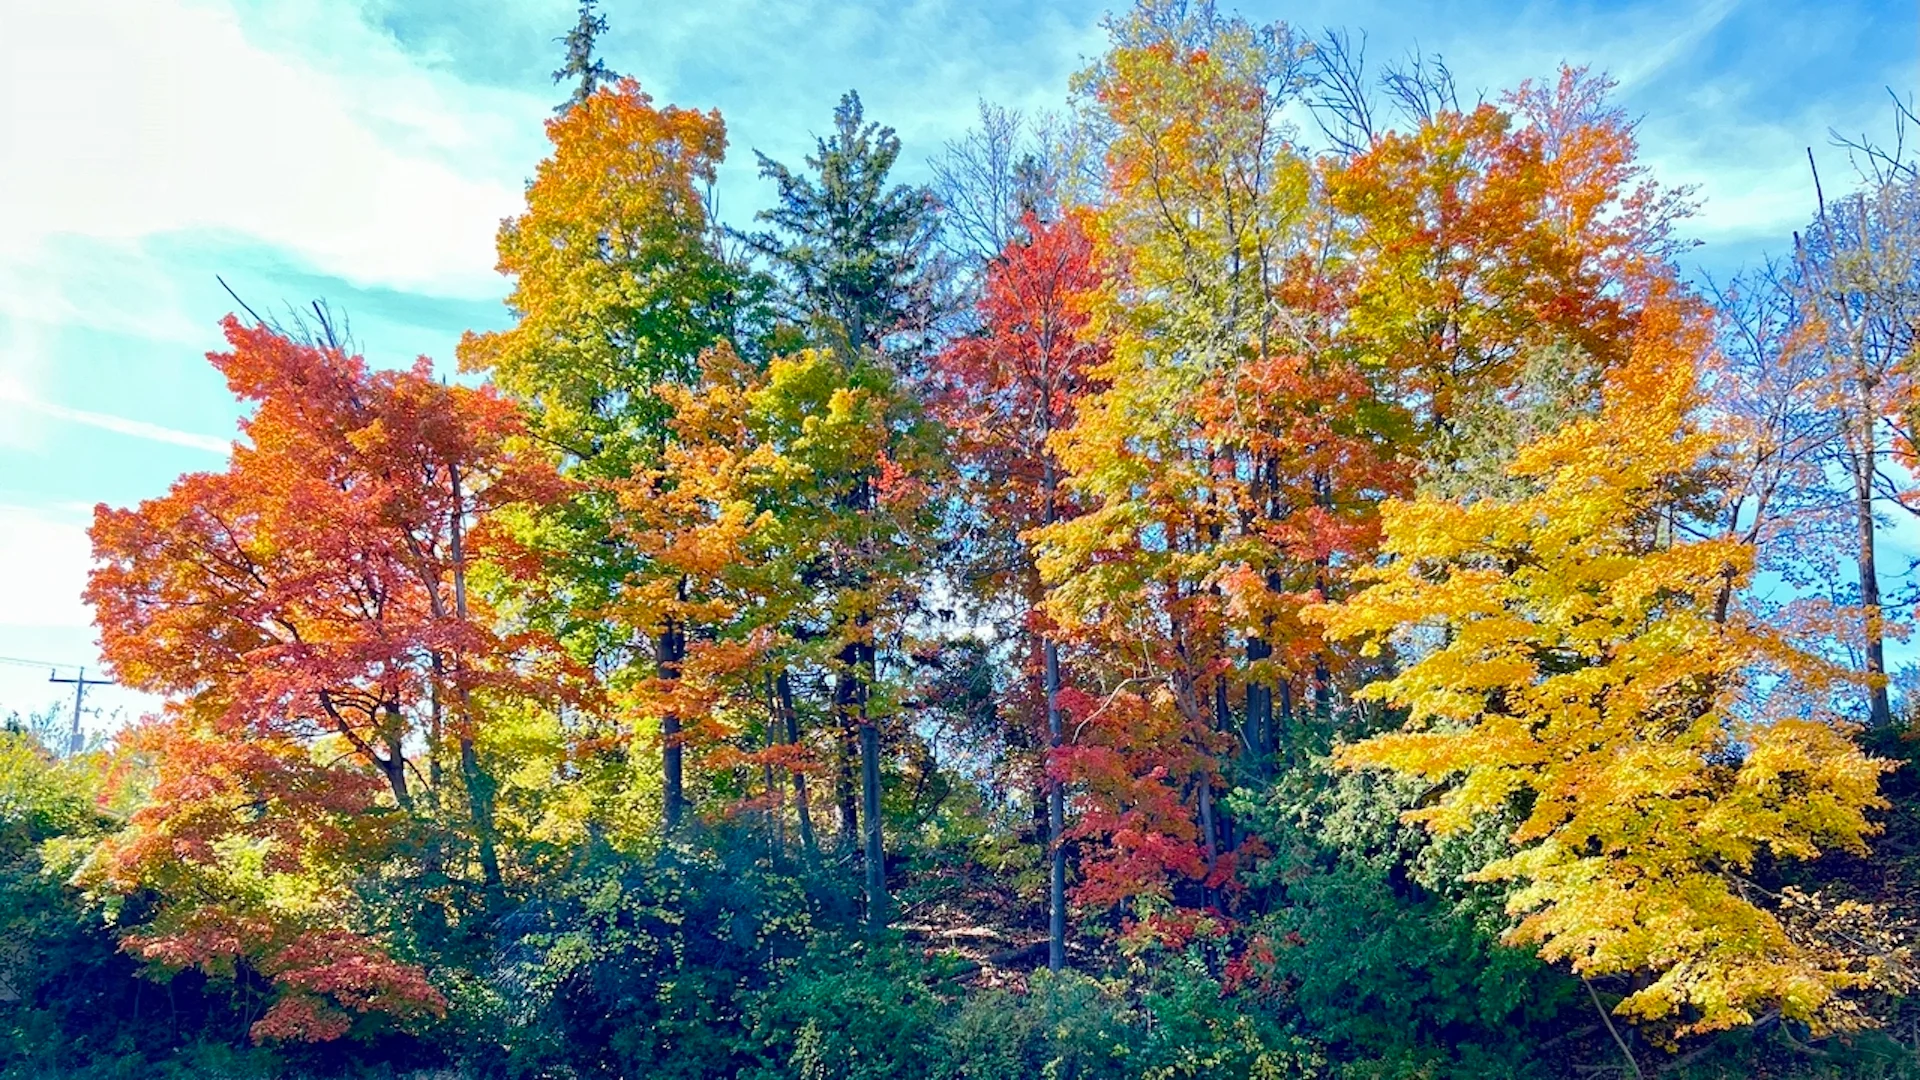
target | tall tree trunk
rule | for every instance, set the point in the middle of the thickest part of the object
(874, 855)
(480, 802)
(1862, 445)
(1056, 732)
(1207, 831)
(669, 653)
(1286, 711)
(1322, 678)
(1873, 619)
(1222, 834)
(479, 785)
(436, 730)
(1257, 734)
(876, 860)
(845, 736)
(783, 687)
(776, 811)
(394, 765)
(1056, 818)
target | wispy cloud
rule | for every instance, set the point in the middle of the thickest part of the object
(119, 425)
(385, 173)
(53, 541)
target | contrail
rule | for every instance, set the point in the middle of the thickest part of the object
(138, 429)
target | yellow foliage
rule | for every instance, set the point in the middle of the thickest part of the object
(1584, 667)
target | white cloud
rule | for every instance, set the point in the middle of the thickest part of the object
(130, 118)
(1677, 34)
(54, 546)
(44, 622)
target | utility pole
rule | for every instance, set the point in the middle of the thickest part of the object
(80, 683)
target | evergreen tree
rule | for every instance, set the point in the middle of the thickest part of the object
(855, 253)
(587, 71)
(854, 256)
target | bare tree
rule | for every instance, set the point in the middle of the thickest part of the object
(1884, 163)
(1858, 281)
(988, 180)
(1339, 95)
(1421, 85)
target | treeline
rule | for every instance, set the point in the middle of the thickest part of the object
(1272, 571)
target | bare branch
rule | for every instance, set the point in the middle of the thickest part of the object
(1337, 94)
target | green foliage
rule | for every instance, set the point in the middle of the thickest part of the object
(71, 1004)
(854, 1012)
(629, 967)
(1068, 1027)
(1204, 385)
(853, 250)
(1387, 960)
(1196, 1029)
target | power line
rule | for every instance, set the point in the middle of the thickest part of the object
(80, 684)
(21, 661)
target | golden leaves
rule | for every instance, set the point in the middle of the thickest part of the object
(1581, 661)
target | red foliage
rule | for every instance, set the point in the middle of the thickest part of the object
(300, 608)
(307, 589)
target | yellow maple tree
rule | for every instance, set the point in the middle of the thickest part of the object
(1571, 658)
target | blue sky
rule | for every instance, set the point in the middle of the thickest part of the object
(364, 151)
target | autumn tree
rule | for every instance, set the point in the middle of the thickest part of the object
(1856, 268)
(1207, 203)
(308, 614)
(853, 253)
(1570, 667)
(1481, 237)
(619, 285)
(1003, 394)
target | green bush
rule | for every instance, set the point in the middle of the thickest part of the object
(1397, 969)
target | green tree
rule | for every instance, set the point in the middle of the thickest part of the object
(854, 254)
(586, 70)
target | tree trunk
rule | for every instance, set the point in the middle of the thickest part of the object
(1257, 735)
(480, 802)
(479, 785)
(861, 670)
(394, 767)
(1286, 710)
(1863, 444)
(876, 860)
(783, 686)
(845, 735)
(1221, 835)
(1880, 708)
(1206, 829)
(669, 652)
(1056, 819)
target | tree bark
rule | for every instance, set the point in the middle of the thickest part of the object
(1879, 707)
(845, 735)
(1862, 445)
(479, 785)
(876, 860)
(861, 664)
(1257, 734)
(783, 687)
(1056, 819)
(669, 652)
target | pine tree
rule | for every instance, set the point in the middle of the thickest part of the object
(587, 71)
(854, 256)
(854, 253)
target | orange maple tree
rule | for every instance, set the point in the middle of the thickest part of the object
(308, 614)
